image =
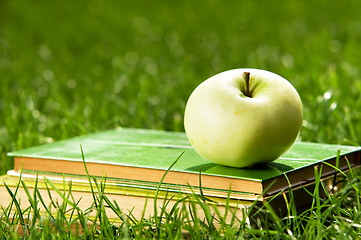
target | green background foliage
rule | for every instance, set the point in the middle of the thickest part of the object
(73, 67)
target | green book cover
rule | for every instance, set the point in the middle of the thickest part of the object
(142, 154)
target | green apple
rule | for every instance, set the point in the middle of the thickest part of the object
(243, 117)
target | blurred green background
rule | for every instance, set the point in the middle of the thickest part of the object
(73, 67)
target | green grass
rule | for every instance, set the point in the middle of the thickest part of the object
(69, 68)
(334, 216)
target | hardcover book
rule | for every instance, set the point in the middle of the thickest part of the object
(47, 193)
(145, 156)
(79, 194)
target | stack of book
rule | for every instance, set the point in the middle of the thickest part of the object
(138, 168)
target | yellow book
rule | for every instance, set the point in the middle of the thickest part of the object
(134, 200)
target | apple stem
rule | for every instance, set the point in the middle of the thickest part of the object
(246, 78)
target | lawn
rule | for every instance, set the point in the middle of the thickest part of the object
(74, 67)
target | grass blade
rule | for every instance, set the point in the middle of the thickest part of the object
(158, 221)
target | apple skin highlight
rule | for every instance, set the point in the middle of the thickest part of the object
(228, 127)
